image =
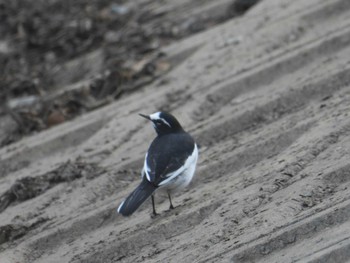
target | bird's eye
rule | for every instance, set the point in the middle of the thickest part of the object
(161, 122)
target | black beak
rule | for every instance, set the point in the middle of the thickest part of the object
(145, 116)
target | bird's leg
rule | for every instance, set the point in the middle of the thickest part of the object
(153, 206)
(171, 204)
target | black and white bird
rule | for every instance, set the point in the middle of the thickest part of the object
(170, 163)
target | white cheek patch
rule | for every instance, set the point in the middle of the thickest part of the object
(155, 116)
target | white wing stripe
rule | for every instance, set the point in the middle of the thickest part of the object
(146, 169)
(173, 175)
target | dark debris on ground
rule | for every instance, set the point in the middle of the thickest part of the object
(61, 58)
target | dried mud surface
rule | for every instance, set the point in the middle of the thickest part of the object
(267, 97)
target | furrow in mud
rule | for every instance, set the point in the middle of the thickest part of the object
(160, 231)
(54, 239)
(307, 230)
(287, 103)
(52, 144)
(285, 65)
(314, 190)
(266, 98)
(290, 172)
(292, 234)
(252, 155)
(329, 11)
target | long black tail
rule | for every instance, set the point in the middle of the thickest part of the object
(136, 198)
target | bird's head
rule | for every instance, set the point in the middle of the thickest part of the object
(163, 122)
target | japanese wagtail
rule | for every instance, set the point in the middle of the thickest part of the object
(170, 163)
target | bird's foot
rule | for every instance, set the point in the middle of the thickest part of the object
(154, 215)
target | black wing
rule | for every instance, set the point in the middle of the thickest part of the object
(167, 154)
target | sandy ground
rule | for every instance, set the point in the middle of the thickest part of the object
(267, 98)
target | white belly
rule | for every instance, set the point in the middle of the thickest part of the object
(183, 179)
